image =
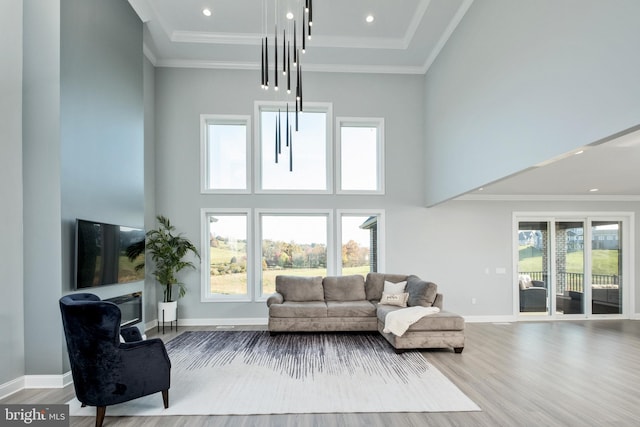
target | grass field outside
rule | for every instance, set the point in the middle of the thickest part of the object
(604, 261)
(235, 284)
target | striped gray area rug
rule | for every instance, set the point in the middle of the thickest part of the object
(251, 373)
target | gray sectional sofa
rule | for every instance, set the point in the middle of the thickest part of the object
(351, 303)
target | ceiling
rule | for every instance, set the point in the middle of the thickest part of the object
(403, 39)
(400, 39)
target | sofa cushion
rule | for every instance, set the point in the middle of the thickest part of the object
(399, 300)
(374, 285)
(299, 309)
(361, 308)
(443, 321)
(394, 288)
(344, 288)
(420, 292)
(299, 288)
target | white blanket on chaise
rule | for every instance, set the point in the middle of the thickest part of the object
(397, 322)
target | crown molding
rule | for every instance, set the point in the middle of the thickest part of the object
(149, 54)
(453, 24)
(322, 68)
(415, 23)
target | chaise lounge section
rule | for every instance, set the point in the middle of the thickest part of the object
(351, 303)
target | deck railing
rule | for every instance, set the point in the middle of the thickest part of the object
(573, 281)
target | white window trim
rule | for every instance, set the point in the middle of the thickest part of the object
(324, 107)
(381, 234)
(377, 122)
(206, 296)
(328, 213)
(207, 119)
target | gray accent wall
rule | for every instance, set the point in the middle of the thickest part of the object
(521, 82)
(41, 191)
(83, 151)
(11, 230)
(150, 307)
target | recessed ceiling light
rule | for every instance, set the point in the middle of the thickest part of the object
(369, 18)
(206, 11)
(289, 15)
(593, 190)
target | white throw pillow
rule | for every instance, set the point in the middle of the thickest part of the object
(395, 299)
(394, 288)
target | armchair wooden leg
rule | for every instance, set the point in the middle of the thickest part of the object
(165, 398)
(100, 411)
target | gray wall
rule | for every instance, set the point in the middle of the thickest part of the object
(82, 147)
(11, 251)
(183, 94)
(521, 82)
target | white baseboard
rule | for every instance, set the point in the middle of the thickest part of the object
(224, 322)
(238, 321)
(48, 381)
(490, 319)
(11, 387)
(35, 381)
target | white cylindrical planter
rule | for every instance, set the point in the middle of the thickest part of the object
(170, 310)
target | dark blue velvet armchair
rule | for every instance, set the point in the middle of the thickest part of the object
(105, 370)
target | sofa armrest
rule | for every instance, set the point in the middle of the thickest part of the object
(276, 298)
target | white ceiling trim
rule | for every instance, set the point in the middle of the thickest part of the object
(256, 39)
(324, 68)
(215, 38)
(149, 54)
(462, 10)
(415, 22)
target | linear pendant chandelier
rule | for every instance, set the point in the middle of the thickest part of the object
(293, 20)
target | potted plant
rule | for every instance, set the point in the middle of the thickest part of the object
(168, 252)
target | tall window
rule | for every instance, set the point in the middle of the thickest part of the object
(225, 154)
(293, 243)
(226, 247)
(361, 154)
(294, 161)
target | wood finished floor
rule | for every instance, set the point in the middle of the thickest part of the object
(570, 373)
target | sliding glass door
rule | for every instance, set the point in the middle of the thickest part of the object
(533, 267)
(606, 267)
(570, 267)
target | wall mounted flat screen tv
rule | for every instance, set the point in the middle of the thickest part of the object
(101, 254)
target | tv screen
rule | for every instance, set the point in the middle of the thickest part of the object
(101, 254)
